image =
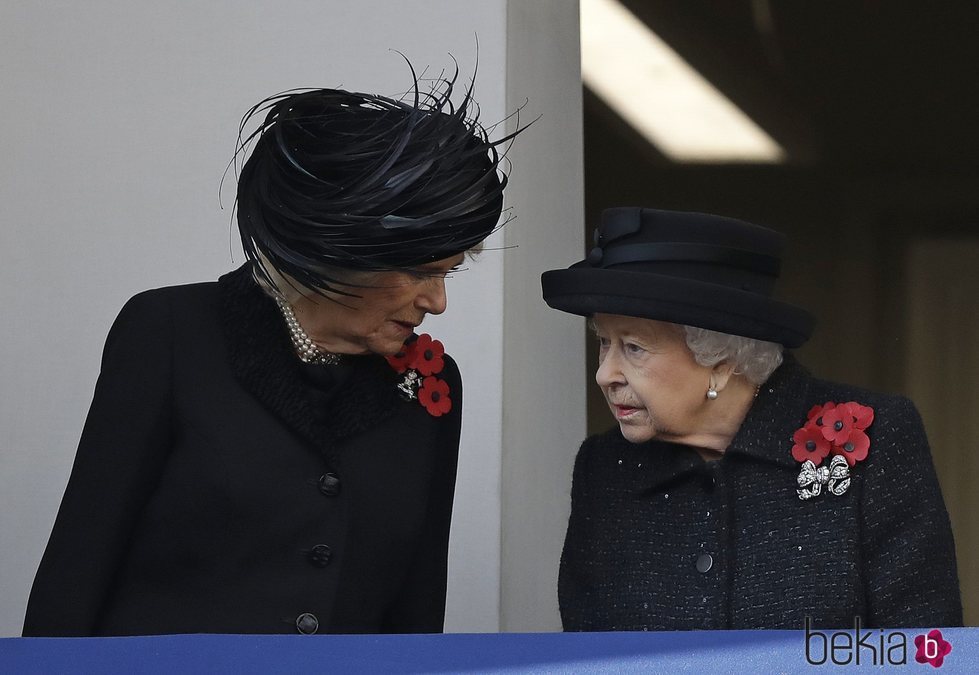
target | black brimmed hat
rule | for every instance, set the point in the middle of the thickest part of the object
(694, 269)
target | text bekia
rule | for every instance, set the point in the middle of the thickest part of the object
(872, 647)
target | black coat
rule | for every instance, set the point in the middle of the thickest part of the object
(196, 502)
(658, 539)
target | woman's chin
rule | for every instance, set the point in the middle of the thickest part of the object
(386, 347)
(635, 433)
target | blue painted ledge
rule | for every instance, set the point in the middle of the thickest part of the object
(693, 652)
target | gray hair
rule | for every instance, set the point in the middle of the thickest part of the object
(756, 360)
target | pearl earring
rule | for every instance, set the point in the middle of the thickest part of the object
(711, 393)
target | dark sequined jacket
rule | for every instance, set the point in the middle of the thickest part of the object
(197, 501)
(658, 539)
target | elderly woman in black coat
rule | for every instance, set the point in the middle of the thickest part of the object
(738, 491)
(276, 451)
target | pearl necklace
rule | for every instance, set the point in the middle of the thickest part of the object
(306, 350)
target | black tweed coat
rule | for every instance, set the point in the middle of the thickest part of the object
(199, 500)
(658, 539)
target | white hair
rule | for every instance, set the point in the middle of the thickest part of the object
(756, 360)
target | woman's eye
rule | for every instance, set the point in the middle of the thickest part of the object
(633, 348)
(603, 342)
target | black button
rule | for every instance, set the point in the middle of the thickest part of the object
(329, 484)
(307, 623)
(704, 562)
(320, 555)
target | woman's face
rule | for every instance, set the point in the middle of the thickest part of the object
(385, 314)
(653, 385)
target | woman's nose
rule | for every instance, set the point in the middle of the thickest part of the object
(432, 296)
(608, 372)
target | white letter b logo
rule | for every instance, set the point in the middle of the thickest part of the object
(931, 647)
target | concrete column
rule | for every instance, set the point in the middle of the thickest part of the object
(543, 350)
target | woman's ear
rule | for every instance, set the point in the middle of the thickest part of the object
(720, 375)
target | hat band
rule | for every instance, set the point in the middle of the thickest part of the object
(681, 252)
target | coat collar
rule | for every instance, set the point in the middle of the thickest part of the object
(263, 361)
(780, 409)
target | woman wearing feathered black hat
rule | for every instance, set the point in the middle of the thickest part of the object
(738, 491)
(276, 451)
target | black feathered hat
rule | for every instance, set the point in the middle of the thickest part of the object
(686, 268)
(340, 179)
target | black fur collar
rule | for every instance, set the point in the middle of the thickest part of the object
(263, 360)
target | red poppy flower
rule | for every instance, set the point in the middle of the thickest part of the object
(817, 410)
(428, 355)
(854, 448)
(402, 360)
(405, 358)
(837, 425)
(834, 428)
(434, 395)
(862, 415)
(810, 444)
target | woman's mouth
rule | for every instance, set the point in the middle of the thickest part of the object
(406, 326)
(624, 411)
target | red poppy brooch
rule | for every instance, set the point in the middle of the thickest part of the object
(837, 429)
(420, 360)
